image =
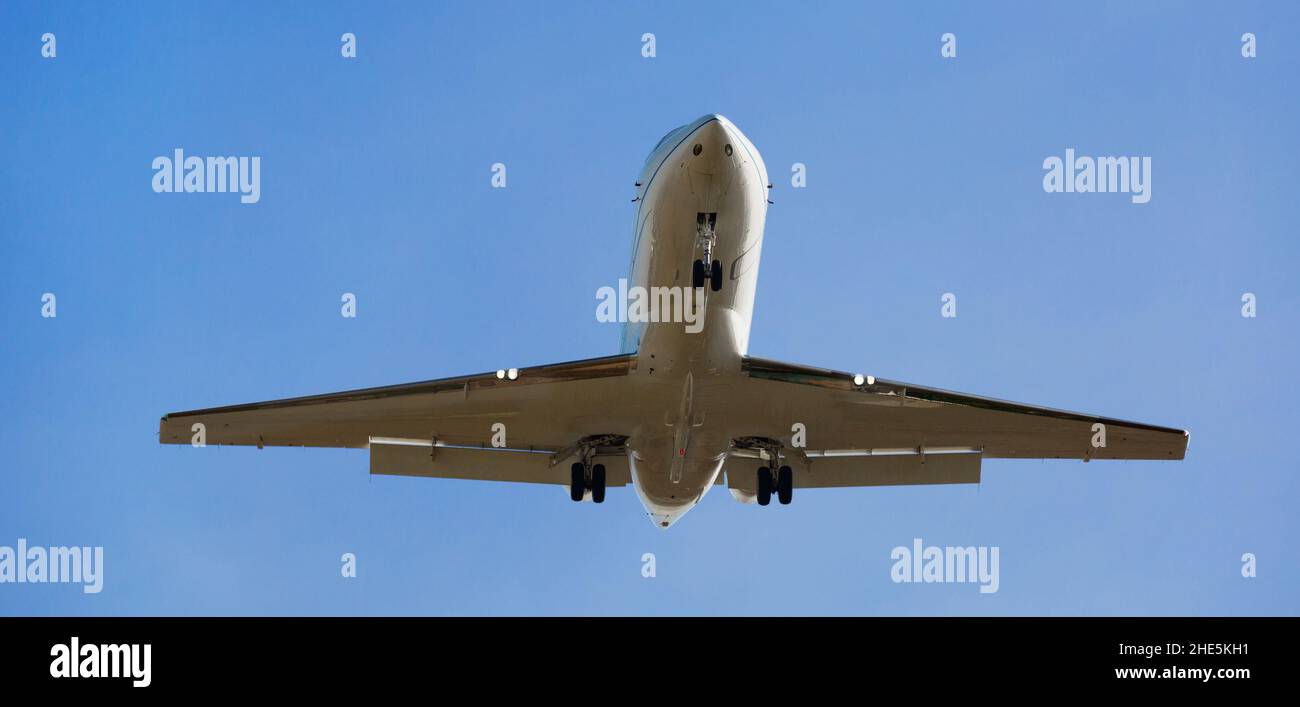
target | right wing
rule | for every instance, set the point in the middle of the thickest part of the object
(444, 427)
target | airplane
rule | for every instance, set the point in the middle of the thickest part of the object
(675, 413)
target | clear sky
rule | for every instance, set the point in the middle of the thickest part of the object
(924, 176)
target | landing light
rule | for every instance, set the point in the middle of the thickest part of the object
(513, 373)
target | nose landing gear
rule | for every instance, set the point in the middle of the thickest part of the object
(712, 273)
(706, 268)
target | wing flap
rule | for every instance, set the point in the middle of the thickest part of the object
(485, 464)
(842, 472)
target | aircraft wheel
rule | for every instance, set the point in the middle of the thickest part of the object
(598, 483)
(697, 274)
(715, 276)
(577, 484)
(764, 486)
(785, 485)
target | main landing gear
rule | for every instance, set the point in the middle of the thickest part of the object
(580, 482)
(585, 476)
(706, 268)
(783, 483)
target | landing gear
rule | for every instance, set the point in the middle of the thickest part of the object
(780, 482)
(577, 481)
(579, 484)
(585, 476)
(706, 268)
(598, 484)
(785, 485)
(701, 272)
(764, 486)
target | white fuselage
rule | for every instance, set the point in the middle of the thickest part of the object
(705, 167)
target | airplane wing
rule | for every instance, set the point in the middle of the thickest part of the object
(867, 431)
(445, 427)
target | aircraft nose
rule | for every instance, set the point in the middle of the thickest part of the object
(714, 129)
(711, 147)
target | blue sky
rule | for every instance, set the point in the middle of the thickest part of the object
(924, 177)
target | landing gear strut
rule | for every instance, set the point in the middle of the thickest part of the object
(785, 485)
(706, 268)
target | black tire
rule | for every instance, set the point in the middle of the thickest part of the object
(715, 276)
(697, 274)
(598, 483)
(764, 486)
(784, 485)
(577, 482)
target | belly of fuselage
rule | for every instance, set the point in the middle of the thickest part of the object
(674, 460)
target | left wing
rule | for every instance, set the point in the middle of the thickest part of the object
(870, 432)
(842, 414)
